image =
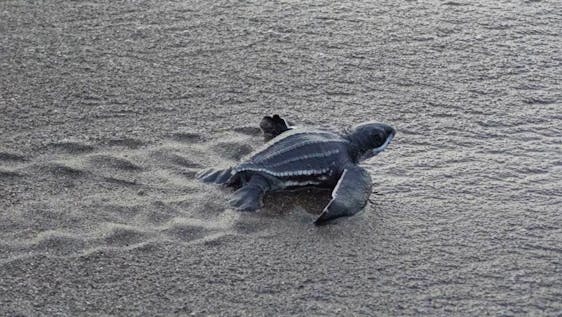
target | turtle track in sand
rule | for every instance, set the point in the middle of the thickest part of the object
(75, 197)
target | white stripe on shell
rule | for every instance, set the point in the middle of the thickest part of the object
(297, 183)
(306, 156)
(281, 137)
(286, 134)
(286, 173)
(296, 146)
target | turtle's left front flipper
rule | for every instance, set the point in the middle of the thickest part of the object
(250, 196)
(349, 196)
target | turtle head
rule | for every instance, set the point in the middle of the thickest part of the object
(369, 139)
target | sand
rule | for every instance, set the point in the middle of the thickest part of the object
(108, 109)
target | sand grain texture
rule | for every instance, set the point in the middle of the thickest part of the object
(108, 109)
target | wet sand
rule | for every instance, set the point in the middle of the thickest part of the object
(109, 109)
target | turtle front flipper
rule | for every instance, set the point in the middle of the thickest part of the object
(349, 196)
(250, 196)
(273, 126)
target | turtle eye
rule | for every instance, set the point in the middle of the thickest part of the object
(381, 137)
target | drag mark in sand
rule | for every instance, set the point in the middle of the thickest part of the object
(76, 197)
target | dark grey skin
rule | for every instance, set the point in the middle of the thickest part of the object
(299, 157)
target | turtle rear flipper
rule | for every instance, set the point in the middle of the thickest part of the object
(349, 196)
(215, 176)
(273, 126)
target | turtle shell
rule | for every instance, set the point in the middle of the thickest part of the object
(300, 157)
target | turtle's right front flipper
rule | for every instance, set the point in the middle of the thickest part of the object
(349, 196)
(273, 126)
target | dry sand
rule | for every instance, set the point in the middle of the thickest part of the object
(109, 108)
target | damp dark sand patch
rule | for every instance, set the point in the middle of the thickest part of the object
(71, 147)
(188, 137)
(7, 173)
(11, 157)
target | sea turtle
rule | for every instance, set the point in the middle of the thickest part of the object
(297, 157)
